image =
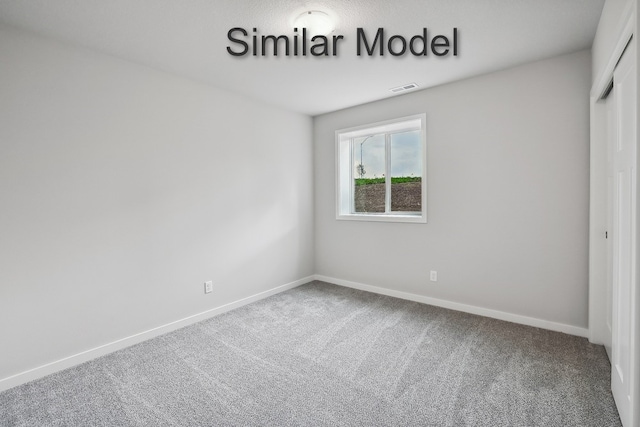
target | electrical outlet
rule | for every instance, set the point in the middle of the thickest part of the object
(208, 287)
(433, 276)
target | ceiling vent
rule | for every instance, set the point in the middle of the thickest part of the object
(408, 86)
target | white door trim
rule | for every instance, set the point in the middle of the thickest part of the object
(598, 186)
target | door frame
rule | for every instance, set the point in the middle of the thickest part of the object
(598, 188)
(598, 203)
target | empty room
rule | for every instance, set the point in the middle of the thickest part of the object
(320, 213)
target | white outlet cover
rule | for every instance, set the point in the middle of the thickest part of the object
(208, 287)
(434, 276)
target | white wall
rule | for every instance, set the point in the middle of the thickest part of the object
(122, 189)
(508, 185)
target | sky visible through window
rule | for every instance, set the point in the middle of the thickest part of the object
(406, 155)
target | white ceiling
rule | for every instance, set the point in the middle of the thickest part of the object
(189, 38)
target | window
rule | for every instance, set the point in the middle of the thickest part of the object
(381, 171)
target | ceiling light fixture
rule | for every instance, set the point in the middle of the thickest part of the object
(317, 23)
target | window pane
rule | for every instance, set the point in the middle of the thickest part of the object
(368, 173)
(406, 172)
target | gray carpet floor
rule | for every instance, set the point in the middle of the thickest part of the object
(323, 355)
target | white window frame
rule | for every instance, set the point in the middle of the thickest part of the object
(345, 183)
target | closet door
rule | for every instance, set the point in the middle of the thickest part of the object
(624, 195)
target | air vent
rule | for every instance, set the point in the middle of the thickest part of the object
(403, 88)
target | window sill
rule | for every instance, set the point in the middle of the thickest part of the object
(417, 218)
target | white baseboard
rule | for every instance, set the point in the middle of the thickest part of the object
(76, 359)
(487, 312)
